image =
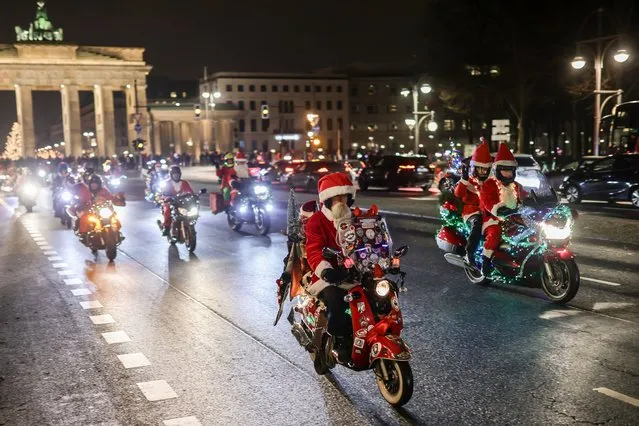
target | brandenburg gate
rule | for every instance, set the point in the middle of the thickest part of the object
(39, 60)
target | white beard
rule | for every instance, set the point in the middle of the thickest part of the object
(341, 213)
(508, 195)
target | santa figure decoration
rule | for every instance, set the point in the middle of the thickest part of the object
(500, 195)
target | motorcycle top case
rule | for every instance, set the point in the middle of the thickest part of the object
(217, 202)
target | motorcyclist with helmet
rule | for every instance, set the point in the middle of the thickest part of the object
(174, 186)
(58, 185)
(227, 174)
(96, 193)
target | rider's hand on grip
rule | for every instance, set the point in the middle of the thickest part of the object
(334, 276)
(464, 172)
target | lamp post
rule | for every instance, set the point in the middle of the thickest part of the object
(415, 122)
(598, 55)
(88, 135)
(313, 140)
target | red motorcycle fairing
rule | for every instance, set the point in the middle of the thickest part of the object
(449, 240)
(561, 252)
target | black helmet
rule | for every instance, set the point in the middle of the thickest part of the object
(96, 181)
(86, 176)
(175, 173)
(506, 181)
(63, 168)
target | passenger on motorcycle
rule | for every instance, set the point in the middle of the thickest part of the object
(337, 194)
(175, 186)
(227, 173)
(500, 196)
(96, 194)
(155, 176)
(468, 189)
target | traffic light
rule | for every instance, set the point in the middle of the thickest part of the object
(265, 113)
(198, 110)
(139, 144)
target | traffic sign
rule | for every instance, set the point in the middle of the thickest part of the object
(138, 127)
(501, 130)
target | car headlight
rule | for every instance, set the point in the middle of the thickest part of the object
(260, 190)
(556, 233)
(105, 213)
(382, 288)
(66, 196)
(42, 173)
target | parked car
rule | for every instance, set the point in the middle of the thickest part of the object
(256, 169)
(309, 173)
(614, 178)
(397, 171)
(355, 167)
(557, 176)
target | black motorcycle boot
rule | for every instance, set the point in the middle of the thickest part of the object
(486, 266)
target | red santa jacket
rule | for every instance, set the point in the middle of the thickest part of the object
(173, 188)
(495, 195)
(226, 174)
(320, 233)
(86, 198)
(468, 192)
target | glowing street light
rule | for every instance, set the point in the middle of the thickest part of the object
(405, 92)
(432, 126)
(578, 63)
(206, 95)
(426, 88)
(217, 95)
(410, 122)
(621, 56)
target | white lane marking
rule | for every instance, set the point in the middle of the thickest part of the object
(42, 243)
(60, 265)
(616, 395)
(91, 304)
(81, 292)
(558, 313)
(102, 319)
(157, 390)
(65, 272)
(134, 360)
(594, 280)
(54, 258)
(599, 306)
(46, 248)
(73, 281)
(116, 337)
(183, 421)
(39, 238)
(50, 253)
(426, 198)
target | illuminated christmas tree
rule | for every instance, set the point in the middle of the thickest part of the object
(13, 146)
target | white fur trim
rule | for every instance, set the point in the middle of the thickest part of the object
(488, 253)
(507, 163)
(315, 288)
(323, 265)
(304, 213)
(470, 187)
(336, 190)
(489, 222)
(478, 164)
(327, 212)
(496, 207)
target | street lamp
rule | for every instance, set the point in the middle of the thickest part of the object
(432, 126)
(622, 55)
(578, 63)
(416, 121)
(217, 95)
(88, 135)
(426, 88)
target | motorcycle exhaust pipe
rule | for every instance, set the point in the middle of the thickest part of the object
(301, 336)
(455, 259)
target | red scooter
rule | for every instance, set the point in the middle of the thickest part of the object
(374, 309)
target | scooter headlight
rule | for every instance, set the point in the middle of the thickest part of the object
(243, 209)
(115, 182)
(260, 190)
(193, 211)
(105, 213)
(42, 173)
(30, 190)
(382, 288)
(66, 196)
(553, 232)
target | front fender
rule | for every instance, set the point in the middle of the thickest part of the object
(388, 347)
(559, 253)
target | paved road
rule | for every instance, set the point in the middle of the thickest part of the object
(195, 333)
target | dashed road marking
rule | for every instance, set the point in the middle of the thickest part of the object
(157, 390)
(60, 265)
(594, 280)
(616, 395)
(102, 319)
(54, 258)
(558, 313)
(46, 248)
(42, 243)
(65, 272)
(116, 337)
(73, 281)
(183, 421)
(50, 253)
(91, 304)
(39, 239)
(600, 306)
(81, 292)
(134, 360)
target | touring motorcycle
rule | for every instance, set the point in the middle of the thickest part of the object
(28, 194)
(62, 200)
(105, 233)
(534, 249)
(185, 211)
(253, 205)
(376, 317)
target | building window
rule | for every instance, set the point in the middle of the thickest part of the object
(449, 125)
(464, 125)
(184, 94)
(252, 88)
(329, 105)
(339, 89)
(174, 94)
(240, 105)
(329, 124)
(265, 124)
(263, 88)
(372, 109)
(307, 88)
(318, 89)
(391, 89)
(329, 89)
(274, 88)
(371, 127)
(252, 105)
(253, 145)
(240, 87)
(392, 108)
(308, 105)
(353, 91)
(372, 89)
(484, 125)
(241, 125)
(409, 109)
(253, 125)
(318, 105)
(291, 107)
(285, 88)
(340, 105)
(296, 88)
(229, 88)
(392, 127)
(353, 126)
(340, 123)
(354, 109)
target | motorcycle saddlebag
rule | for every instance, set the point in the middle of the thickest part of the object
(450, 241)
(217, 202)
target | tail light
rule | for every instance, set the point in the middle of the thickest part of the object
(323, 170)
(289, 170)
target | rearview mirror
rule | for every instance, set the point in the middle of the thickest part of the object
(202, 191)
(401, 252)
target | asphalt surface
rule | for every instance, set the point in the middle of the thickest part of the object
(203, 325)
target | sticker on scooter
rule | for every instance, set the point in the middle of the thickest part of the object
(359, 343)
(375, 350)
(361, 307)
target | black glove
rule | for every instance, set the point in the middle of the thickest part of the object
(505, 211)
(334, 276)
(464, 172)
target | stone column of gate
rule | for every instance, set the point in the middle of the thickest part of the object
(196, 134)
(177, 137)
(71, 120)
(144, 115)
(157, 137)
(24, 108)
(226, 136)
(104, 120)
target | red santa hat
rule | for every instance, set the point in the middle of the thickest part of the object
(481, 156)
(335, 184)
(240, 156)
(505, 157)
(308, 208)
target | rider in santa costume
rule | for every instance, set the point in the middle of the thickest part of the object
(336, 194)
(500, 195)
(467, 190)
